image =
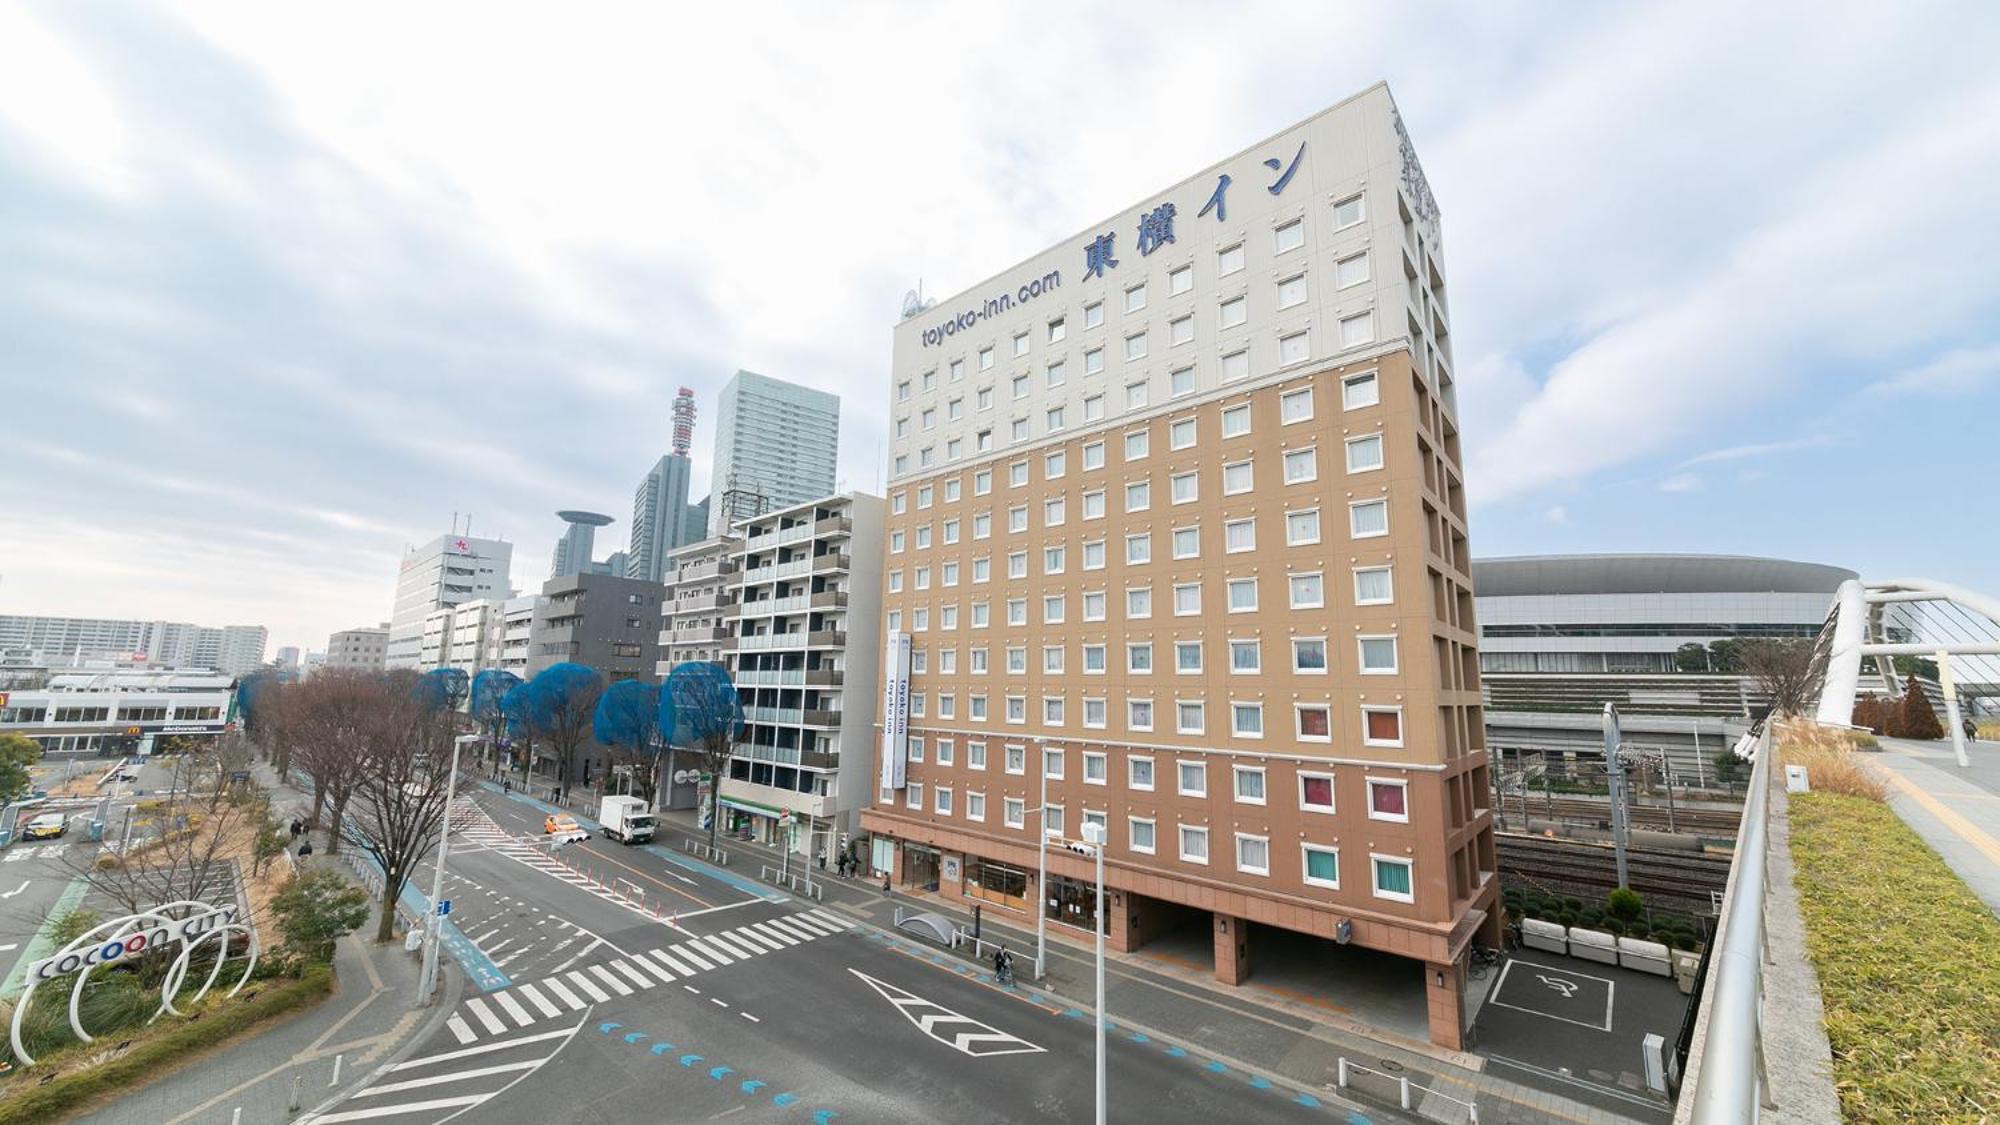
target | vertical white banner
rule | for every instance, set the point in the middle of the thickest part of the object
(895, 709)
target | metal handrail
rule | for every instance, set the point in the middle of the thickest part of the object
(1727, 1082)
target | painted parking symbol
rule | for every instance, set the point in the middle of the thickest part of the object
(1555, 993)
(961, 1033)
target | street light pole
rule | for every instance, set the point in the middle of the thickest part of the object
(1042, 865)
(1094, 835)
(434, 925)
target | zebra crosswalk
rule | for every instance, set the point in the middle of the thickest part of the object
(527, 1003)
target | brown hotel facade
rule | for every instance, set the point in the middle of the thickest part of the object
(1181, 522)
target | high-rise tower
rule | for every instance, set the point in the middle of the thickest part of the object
(661, 517)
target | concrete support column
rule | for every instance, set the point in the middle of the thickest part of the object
(1232, 949)
(1444, 997)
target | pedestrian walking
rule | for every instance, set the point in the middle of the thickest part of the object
(305, 849)
(297, 828)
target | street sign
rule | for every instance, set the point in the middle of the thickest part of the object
(444, 907)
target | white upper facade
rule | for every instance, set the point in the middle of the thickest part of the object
(1324, 247)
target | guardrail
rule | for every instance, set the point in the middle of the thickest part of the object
(1725, 1081)
(1406, 1090)
(713, 855)
(791, 880)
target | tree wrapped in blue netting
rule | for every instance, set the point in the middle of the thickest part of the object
(701, 713)
(442, 689)
(489, 687)
(627, 723)
(564, 698)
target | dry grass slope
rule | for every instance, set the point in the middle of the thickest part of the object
(1831, 761)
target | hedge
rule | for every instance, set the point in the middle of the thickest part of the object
(24, 1099)
(1908, 961)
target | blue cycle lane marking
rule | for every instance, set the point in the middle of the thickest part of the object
(476, 964)
(716, 1072)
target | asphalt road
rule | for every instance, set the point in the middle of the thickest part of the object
(641, 985)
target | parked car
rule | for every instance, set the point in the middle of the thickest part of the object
(46, 826)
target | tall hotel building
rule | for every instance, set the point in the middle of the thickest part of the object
(1176, 515)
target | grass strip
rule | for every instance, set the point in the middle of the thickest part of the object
(1908, 961)
(156, 1051)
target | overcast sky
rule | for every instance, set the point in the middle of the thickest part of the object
(283, 287)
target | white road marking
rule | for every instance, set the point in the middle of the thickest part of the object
(514, 1008)
(832, 919)
(393, 1110)
(661, 956)
(584, 983)
(454, 1076)
(786, 925)
(767, 928)
(563, 993)
(736, 945)
(536, 998)
(605, 974)
(751, 1018)
(931, 1018)
(638, 978)
(716, 1002)
(684, 950)
(459, 1029)
(717, 951)
(746, 934)
(483, 1048)
(647, 964)
(478, 1008)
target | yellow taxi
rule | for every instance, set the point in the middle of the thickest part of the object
(45, 826)
(562, 828)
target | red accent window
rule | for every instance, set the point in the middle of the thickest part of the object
(1388, 799)
(1313, 723)
(1316, 792)
(1385, 726)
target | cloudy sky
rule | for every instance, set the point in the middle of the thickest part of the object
(283, 287)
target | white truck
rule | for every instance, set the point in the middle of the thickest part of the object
(626, 819)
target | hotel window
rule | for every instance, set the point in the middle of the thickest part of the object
(983, 440)
(1052, 710)
(1093, 456)
(1180, 434)
(896, 542)
(981, 615)
(1373, 586)
(1187, 542)
(1364, 453)
(1357, 391)
(1295, 406)
(1017, 613)
(924, 496)
(983, 398)
(948, 617)
(1136, 444)
(1192, 779)
(1302, 528)
(920, 619)
(1308, 591)
(1321, 866)
(1236, 365)
(975, 755)
(951, 490)
(1292, 291)
(1139, 714)
(1382, 726)
(982, 525)
(913, 793)
(902, 463)
(1093, 551)
(1357, 329)
(1093, 361)
(1057, 330)
(1138, 549)
(957, 370)
(1291, 236)
(1138, 496)
(1093, 658)
(982, 569)
(1093, 408)
(903, 391)
(1054, 418)
(954, 410)
(1013, 812)
(1301, 465)
(1054, 465)
(1018, 429)
(1189, 716)
(895, 621)
(896, 581)
(1246, 720)
(899, 503)
(1392, 878)
(1017, 759)
(1017, 474)
(1351, 270)
(1140, 830)
(1180, 330)
(1315, 722)
(1348, 212)
(1246, 657)
(1052, 609)
(943, 805)
(923, 536)
(950, 531)
(1053, 817)
(1052, 560)
(1309, 655)
(1093, 605)
(947, 661)
(1367, 519)
(1017, 561)
(1194, 844)
(903, 426)
(1242, 595)
(1052, 764)
(1181, 382)
(1253, 854)
(1187, 599)
(1135, 396)
(1058, 373)
(1229, 260)
(930, 380)
(1378, 655)
(1239, 535)
(1139, 773)
(1295, 348)
(1093, 504)
(1093, 314)
(1135, 298)
(1017, 709)
(1096, 771)
(1020, 343)
(1187, 657)
(1052, 658)
(1237, 478)
(927, 456)
(1053, 512)
(1180, 281)
(1235, 311)
(1022, 386)
(1017, 520)
(1139, 657)
(982, 482)
(1139, 603)
(975, 805)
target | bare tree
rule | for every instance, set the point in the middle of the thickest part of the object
(1781, 667)
(401, 785)
(185, 852)
(334, 711)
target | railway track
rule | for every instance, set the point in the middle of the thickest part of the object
(1697, 820)
(1589, 871)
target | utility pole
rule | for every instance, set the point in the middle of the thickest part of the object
(1042, 862)
(434, 925)
(1614, 767)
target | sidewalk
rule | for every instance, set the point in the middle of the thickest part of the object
(1955, 809)
(1292, 1040)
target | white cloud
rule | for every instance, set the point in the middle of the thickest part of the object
(1958, 372)
(1759, 449)
(1681, 482)
(1557, 514)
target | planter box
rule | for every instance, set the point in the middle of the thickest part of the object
(1645, 956)
(1550, 936)
(1593, 945)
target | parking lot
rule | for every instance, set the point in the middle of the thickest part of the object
(1569, 1021)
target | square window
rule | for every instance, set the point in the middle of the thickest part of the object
(1364, 453)
(1135, 444)
(1315, 722)
(1022, 386)
(1235, 311)
(1316, 792)
(1291, 236)
(1295, 348)
(913, 795)
(1236, 421)
(1017, 520)
(982, 525)
(1016, 759)
(1321, 866)
(1135, 298)
(1135, 346)
(1093, 361)
(1093, 314)
(1357, 329)
(1382, 726)
(1193, 779)
(1139, 714)
(1190, 717)
(1187, 542)
(1229, 260)
(1246, 657)
(1017, 474)
(1392, 879)
(1052, 659)
(1253, 854)
(1373, 586)
(1180, 330)
(1239, 535)
(1194, 844)
(1055, 418)
(1187, 656)
(1052, 710)
(1180, 433)
(1093, 456)
(1368, 519)
(951, 490)
(1093, 655)
(1138, 496)
(1140, 832)
(1235, 365)
(1351, 270)
(1093, 505)
(1139, 602)
(1242, 595)
(1357, 391)
(1309, 655)
(1302, 528)
(975, 755)
(1052, 764)
(1308, 591)
(983, 398)
(923, 536)
(1246, 720)
(1135, 396)
(1093, 552)
(1017, 709)
(1292, 291)
(1013, 812)
(982, 570)
(1052, 609)
(1018, 429)
(930, 380)
(1139, 658)
(1237, 478)
(1054, 464)
(943, 801)
(1053, 512)
(1348, 212)
(986, 359)
(1020, 343)
(1378, 655)
(957, 370)
(1296, 406)
(1057, 330)
(1181, 382)
(1057, 374)
(1052, 819)
(1187, 599)
(1138, 549)
(1093, 605)
(1301, 465)
(1096, 770)
(1180, 281)
(975, 806)
(1139, 773)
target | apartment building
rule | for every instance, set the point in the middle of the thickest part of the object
(1177, 521)
(803, 655)
(363, 648)
(698, 611)
(604, 621)
(444, 572)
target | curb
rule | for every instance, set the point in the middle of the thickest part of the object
(447, 1003)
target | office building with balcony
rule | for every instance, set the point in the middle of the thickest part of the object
(1177, 521)
(604, 621)
(698, 610)
(511, 646)
(804, 654)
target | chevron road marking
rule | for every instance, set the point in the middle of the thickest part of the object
(959, 1032)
